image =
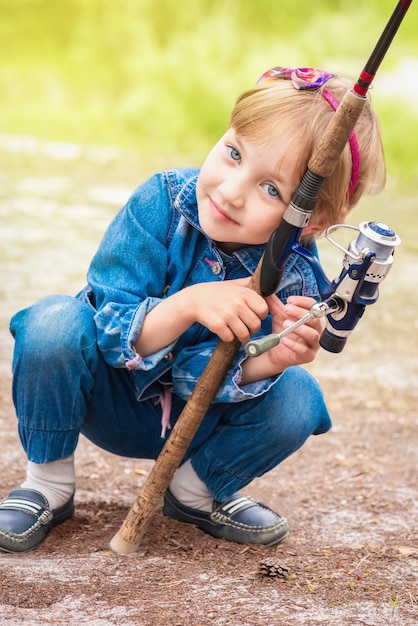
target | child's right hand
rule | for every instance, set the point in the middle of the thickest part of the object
(227, 308)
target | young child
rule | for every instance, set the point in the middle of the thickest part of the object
(119, 361)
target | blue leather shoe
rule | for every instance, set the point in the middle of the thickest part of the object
(26, 519)
(240, 519)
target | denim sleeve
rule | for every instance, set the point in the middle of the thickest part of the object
(127, 275)
(190, 363)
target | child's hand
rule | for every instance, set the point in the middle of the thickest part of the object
(228, 308)
(301, 345)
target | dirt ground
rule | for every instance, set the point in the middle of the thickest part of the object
(350, 496)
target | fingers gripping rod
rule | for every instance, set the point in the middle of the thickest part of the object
(256, 347)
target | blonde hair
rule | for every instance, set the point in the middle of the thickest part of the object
(304, 115)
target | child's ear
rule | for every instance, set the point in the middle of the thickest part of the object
(343, 213)
(315, 229)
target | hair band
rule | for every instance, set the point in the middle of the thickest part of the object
(312, 78)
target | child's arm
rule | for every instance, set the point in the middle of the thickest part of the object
(297, 348)
(226, 308)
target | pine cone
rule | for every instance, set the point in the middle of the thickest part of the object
(271, 567)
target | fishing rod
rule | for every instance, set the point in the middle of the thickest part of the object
(265, 281)
(324, 160)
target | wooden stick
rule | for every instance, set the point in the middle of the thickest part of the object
(129, 536)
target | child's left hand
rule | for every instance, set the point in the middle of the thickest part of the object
(301, 345)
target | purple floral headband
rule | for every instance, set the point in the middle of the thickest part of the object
(312, 78)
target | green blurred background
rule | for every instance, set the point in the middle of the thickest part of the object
(160, 77)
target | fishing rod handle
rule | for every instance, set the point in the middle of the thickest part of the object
(327, 152)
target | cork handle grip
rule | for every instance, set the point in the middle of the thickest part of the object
(328, 150)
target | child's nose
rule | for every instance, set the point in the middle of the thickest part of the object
(233, 192)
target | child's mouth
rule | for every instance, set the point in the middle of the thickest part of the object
(219, 214)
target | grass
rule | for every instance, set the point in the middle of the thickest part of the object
(161, 78)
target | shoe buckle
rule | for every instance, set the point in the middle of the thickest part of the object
(45, 517)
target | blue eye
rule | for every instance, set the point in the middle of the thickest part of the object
(234, 154)
(271, 190)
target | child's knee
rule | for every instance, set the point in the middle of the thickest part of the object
(56, 323)
(297, 404)
(300, 388)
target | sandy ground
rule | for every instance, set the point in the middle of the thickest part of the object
(351, 558)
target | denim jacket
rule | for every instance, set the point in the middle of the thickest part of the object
(153, 248)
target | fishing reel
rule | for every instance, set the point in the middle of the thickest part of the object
(366, 263)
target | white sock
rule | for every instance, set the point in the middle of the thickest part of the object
(188, 489)
(55, 480)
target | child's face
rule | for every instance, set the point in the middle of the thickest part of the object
(244, 189)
